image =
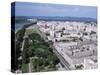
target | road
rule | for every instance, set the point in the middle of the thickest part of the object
(61, 58)
(22, 45)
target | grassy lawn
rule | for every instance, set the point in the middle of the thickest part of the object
(25, 68)
(29, 31)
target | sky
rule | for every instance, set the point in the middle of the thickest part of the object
(52, 10)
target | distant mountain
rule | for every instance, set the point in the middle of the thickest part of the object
(58, 18)
(80, 19)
